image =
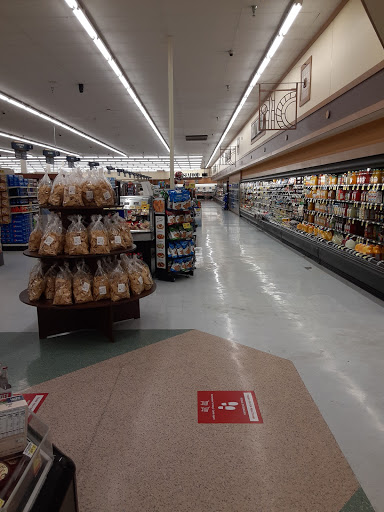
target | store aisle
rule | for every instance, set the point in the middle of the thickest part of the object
(252, 289)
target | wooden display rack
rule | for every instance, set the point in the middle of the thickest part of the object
(99, 315)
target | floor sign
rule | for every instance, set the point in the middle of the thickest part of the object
(228, 407)
(34, 400)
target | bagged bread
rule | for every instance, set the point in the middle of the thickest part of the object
(63, 287)
(57, 191)
(36, 282)
(50, 278)
(51, 240)
(76, 238)
(98, 237)
(82, 284)
(114, 234)
(101, 287)
(136, 281)
(36, 235)
(103, 193)
(145, 272)
(44, 190)
(73, 189)
(88, 187)
(119, 283)
(124, 231)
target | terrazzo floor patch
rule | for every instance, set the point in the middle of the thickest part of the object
(138, 446)
(31, 360)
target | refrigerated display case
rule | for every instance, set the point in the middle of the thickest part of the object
(335, 216)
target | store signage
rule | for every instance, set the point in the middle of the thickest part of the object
(50, 155)
(228, 407)
(191, 175)
(71, 161)
(21, 149)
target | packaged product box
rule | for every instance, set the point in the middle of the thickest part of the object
(13, 425)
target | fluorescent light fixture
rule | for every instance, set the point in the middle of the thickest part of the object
(274, 46)
(85, 23)
(6, 151)
(55, 121)
(283, 30)
(34, 143)
(91, 31)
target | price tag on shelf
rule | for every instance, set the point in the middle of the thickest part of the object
(186, 225)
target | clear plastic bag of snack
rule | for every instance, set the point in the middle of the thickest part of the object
(44, 190)
(98, 237)
(119, 283)
(73, 189)
(124, 231)
(36, 235)
(114, 234)
(103, 193)
(57, 191)
(82, 283)
(36, 282)
(134, 273)
(145, 272)
(63, 287)
(101, 286)
(88, 187)
(76, 238)
(51, 240)
(50, 279)
(171, 218)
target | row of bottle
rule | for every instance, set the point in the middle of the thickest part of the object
(367, 196)
(364, 176)
(348, 210)
(370, 231)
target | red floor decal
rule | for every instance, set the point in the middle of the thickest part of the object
(34, 400)
(228, 407)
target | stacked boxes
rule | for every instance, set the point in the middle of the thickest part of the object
(18, 231)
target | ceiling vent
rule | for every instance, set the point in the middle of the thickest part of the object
(196, 137)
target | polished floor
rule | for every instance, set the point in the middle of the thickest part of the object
(142, 449)
(252, 289)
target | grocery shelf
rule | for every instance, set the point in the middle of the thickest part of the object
(357, 269)
(32, 254)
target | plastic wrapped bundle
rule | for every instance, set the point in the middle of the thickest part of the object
(36, 282)
(63, 287)
(44, 190)
(101, 287)
(82, 284)
(36, 235)
(57, 191)
(76, 238)
(51, 240)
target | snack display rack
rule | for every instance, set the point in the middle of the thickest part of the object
(100, 315)
(336, 217)
(174, 236)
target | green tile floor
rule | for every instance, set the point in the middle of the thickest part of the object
(31, 360)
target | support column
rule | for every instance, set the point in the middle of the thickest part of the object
(171, 115)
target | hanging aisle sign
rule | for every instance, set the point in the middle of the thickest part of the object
(228, 407)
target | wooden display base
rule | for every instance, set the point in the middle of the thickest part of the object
(98, 315)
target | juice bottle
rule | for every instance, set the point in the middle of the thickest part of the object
(354, 178)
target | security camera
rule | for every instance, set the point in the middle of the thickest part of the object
(230, 52)
(81, 88)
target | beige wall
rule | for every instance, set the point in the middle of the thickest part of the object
(344, 51)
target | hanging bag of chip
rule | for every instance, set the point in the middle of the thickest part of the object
(36, 235)
(51, 241)
(50, 278)
(63, 287)
(145, 272)
(76, 238)
(57, 191)
(119, 283)
(114, 234)
(88, 187)
(73, 189)
(101, 287)
(44, 190)
(36, 282)
(124, 231)
(104, 194)
(98, 237)
(82, 283)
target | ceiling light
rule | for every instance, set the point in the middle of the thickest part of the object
(55, 121)
(91, 31)
(285, 26)
(34, 143)
(6, 151)
(85, 23)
